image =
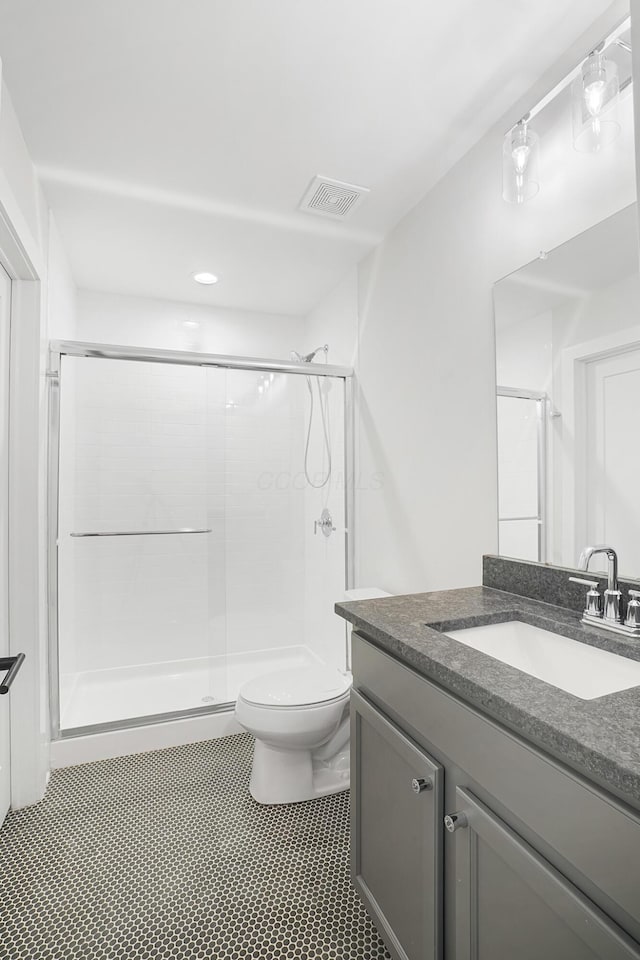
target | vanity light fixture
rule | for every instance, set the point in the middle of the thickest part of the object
(520, 163)
(595, 102)
(205, 278)
(595, 99)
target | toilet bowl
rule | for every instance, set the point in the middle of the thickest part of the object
(300, 720)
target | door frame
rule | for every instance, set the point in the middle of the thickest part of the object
(21, 257)
(574, 361)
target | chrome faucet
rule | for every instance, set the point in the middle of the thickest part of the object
(609, 618)
(612, 596)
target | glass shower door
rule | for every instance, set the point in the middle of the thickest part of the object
(521, 476)
(141, 548)
(283, 575)
(201, 536)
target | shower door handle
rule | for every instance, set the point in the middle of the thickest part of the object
(139, 533)
(11, 665)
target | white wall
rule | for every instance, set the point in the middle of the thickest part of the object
(33, 262)
(22, 196)
(608, 310)
(335, 321)
(426, 355)
(60, 324)
(61, 289)
(524, 352)
(163, 324)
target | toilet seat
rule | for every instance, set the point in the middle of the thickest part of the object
(297, 687)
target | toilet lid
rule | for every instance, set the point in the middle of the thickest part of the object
(296, 687)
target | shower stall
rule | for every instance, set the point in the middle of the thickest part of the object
(190, 548)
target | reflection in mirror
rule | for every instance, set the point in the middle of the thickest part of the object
(568, 384)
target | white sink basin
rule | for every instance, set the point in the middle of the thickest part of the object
(586, 672)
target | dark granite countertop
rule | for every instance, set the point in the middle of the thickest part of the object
(598, 738)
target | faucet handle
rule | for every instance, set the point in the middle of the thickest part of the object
(632, 618)
(593, 606)
(594, 584)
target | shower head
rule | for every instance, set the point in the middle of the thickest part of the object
(308, 357)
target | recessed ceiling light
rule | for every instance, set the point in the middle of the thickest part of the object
(205, 277)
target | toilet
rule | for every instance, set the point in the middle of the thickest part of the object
(300, 720)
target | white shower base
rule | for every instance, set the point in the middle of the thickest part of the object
(146, 690)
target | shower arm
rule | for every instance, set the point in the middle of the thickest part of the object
(308, 357)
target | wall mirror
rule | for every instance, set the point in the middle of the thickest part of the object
(568, 398)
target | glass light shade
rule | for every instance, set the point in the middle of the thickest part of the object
(520, 164)
(595, 104)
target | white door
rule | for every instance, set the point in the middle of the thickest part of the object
(612, 453)
(5, 322)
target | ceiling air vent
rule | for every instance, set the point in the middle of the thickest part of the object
(331, 198)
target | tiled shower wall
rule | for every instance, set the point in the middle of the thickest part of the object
(150, 446)
(325, 556)
(265, 517)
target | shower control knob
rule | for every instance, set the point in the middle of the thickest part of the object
(418, 784)
(325, 523)
(453, 821)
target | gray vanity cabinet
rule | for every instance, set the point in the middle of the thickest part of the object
(397, 810)
(511, 903)
(502, 854)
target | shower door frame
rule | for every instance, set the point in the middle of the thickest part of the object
(77, 348)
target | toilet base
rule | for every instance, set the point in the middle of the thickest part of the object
(294, 776)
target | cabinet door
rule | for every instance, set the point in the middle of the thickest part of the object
(397, 834)
(512, 903)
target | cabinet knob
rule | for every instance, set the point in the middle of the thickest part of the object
(454, 820)
(418, 784)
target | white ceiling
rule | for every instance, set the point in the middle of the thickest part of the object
(176, 135)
